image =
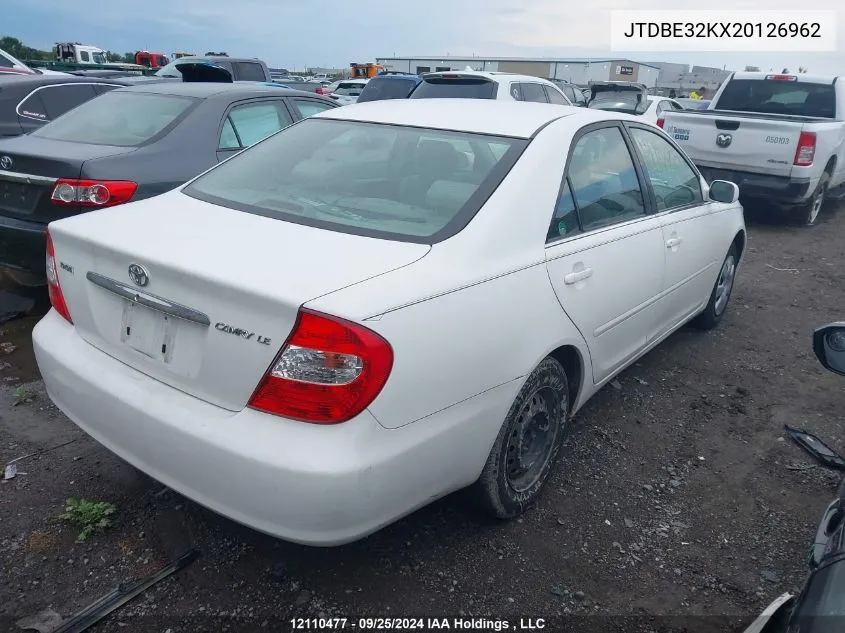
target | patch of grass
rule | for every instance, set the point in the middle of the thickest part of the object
(24, 394)
(91, 516)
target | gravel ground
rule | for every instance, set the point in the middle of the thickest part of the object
(677, 503)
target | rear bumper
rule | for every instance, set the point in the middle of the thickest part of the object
(22, 245)
(307, 483)
(781, 190)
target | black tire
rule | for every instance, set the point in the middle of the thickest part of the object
(542, 403)
(811, 211)
(716, 307)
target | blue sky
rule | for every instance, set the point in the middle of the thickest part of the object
(296, 33)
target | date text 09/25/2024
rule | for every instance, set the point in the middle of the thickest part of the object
(416, 624)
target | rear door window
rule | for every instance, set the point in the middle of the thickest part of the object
(310, 107)
(121, 119)
(61, 99)
(84, 56)
(248, 71)
(254, 122)
(32, 107)
(534, 92)
(554, 96)
(455, 87)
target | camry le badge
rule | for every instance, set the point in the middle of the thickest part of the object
(6, 162)
(723, 140)
(139, 275)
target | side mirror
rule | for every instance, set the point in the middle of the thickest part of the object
(724, 191)
(829, 346)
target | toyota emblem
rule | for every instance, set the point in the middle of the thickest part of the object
(139, 275)
(6, 162)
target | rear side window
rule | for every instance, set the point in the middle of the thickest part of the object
(32, 107)
(5, 62)
(389, 181)
(455, 87)
(122, 119)
(254, 122)
(310, 107)
(533, 92)
(349, 89)
(554, 96)
(768, 96)
(60, 99)
(248, 71)
(379, 89)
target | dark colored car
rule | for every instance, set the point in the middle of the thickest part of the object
(125, 145)
(241, 68)
(29, 101)
(389, 85)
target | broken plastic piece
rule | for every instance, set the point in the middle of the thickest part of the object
(120, 595)
(10, 471)
(815, 447)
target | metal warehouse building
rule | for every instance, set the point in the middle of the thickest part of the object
(577, 71)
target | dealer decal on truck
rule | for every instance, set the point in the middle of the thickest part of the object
(778, 140)
(679, 133)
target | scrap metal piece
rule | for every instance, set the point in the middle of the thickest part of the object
(122, 594)
(815, 447)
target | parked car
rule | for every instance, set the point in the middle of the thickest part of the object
(128, 144)
(348, 91)
(780, 137)
(29, 101)
(241, 68)
(574, 93)
(339, 397)
(630, 98)
(389, 85)
(471, 84)
(327, 89)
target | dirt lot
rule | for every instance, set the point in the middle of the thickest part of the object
(677, 505)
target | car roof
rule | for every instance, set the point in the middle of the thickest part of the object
(203, 89)
(45, 80)
(804, 78)
(357, 80)
(405, 76)
(216, 58)
(518, 119)
(492, 75)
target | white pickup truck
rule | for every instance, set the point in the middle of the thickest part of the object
(780, 137)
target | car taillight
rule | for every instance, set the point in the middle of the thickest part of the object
(54, 288)
(806, 150)
(660, 123)
(92, 193)
(328, 371)
(781, 78)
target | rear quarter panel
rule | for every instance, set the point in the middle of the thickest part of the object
(479, 310)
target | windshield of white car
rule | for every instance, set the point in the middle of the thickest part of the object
(779, 96)
(122, 119)
(98, 58)
(389, 181)
(349, 89)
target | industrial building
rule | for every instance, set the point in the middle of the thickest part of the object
(577, 71)
(682, 78)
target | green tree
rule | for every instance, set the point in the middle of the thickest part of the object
(128, 58)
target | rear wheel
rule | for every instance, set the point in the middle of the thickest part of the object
(523, 456)
(721, 293)
(813, 208)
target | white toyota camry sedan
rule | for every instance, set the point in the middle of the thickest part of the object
(380, 305)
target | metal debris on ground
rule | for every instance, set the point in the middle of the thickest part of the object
(815, 447)
(7, 347)
(11, 467)
(10, 471)
(122, 594)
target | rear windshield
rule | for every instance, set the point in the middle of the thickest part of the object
(456, 88)
(123, 119)
(620, 103)
(348, 89)
(768, 96)
(379, 89)
(403, 183)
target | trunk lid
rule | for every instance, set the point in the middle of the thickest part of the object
(234, 280)
(734, 140)
(200, 72)
(34, 164)
(625, 97)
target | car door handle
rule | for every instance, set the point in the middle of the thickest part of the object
(574, 278)
(672, 242)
